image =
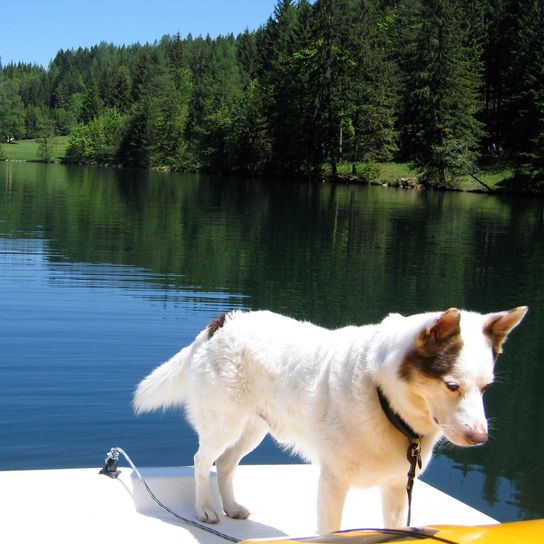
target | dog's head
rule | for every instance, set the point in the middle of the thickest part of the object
(451, 365)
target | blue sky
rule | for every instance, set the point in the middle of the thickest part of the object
(34, 30)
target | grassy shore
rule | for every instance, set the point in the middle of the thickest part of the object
(28, 150)
(395, 174)
(400, 174)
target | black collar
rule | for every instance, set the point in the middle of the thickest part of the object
(395, 419)
(413, 453)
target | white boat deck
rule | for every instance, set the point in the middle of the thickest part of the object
(79, 505)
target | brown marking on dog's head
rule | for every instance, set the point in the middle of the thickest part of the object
(448, 325)
(436, 348)
(499, 325)
(215, 325)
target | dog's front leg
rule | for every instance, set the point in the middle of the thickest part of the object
(394, 504)
(331, 495)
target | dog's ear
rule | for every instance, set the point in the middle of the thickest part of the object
(498, 326)
(446, 327)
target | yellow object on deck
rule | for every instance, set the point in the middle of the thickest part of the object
(519, 532)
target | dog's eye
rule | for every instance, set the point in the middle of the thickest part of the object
(452, 386)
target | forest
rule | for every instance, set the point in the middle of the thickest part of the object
(447, 85)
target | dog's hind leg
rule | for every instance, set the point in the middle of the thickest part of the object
(251, 437)
(214, 440)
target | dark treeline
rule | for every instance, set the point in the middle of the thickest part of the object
(445, 84)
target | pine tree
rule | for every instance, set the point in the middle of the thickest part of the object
(332, 69)
(45, 134)
(135, 146)
(116, 87)
(11, 111)
(92, 104)
(371, 133)
(143, 71)
(283, 77)
(497, 57)
(248, 139)
(122, 87)
(525, 111)
(155, 131)
(168, 125)
(442, 71)
(247, 54)
(219, 92)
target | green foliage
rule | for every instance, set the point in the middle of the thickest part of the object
(116, 88)
(375, 87)
(11, 111)
(98, 141)
(92, 104)
(46, 148)
(66, 118)
(447, 85)
(369, 171)
(252, 148)
(527, 137)
(45, 134)
(287, 54)
(217, 98)
(35, 118)
(154, 134)
(441, 100)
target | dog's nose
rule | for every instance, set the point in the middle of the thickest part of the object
(477, 437)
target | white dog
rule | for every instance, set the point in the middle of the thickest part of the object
(318, 391)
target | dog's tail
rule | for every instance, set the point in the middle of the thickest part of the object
(165, 386)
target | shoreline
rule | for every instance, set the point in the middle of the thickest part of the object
(409, 181)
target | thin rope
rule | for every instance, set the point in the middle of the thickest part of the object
(110, 468)
(113, 455)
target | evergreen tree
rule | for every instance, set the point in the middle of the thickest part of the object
(92, 104)
(247, 138)
(219, 94)
(33, 86)
(143, 72)
(442, 72)
(525, 110)
(322, 81)
(369, 133)
(253, 145)
(332, 68)
(116, 88)
(155, 130)
(497, 56)
(247, 54)
(12, 112)
(45, 135)
(66, 118)
(286, 61)
(36, 119)
(169, 146)
(66, 78)
(122, 87)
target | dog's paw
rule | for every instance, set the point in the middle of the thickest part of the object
(207, 514)
(236, 511)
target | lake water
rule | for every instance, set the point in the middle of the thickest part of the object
(106, 273)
